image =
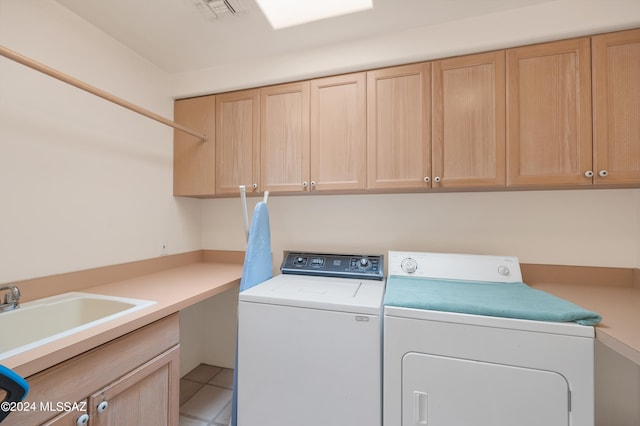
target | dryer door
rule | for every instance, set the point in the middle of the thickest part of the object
(440, 391)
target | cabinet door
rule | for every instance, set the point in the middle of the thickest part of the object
(549, 114)
(468, 139)
(146, 396)
(338, 133)
(73, 417)
(284, 137)
(194, 159)
(616, 116)
(398, 112)
(237, 141)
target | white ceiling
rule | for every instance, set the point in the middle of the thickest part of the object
(177, 37)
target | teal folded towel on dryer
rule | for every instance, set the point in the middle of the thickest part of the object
(506, 300)
(256, 269)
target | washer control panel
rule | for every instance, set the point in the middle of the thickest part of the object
(468, 267)
(363, 266)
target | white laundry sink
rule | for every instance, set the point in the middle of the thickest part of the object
(44, 320)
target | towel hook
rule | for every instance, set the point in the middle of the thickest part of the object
(243, 197)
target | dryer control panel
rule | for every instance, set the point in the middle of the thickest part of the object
(453, 266)
(365, 266)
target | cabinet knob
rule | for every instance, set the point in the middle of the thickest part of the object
(427, 179)
(254, 186)
(82, 420)
(305, 184)
(313, 184)
(588, 173)
(102, 407)
(603, 173)
(437, 179)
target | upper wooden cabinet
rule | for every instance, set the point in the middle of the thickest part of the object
(194, 159)
(616, 102)
(559, 114)
(398, 110)
(237, 141)
(338, 133)
(284, 137)
(549, 114)
(468, 139)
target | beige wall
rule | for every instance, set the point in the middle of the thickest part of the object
(576, 227)
(83, 182)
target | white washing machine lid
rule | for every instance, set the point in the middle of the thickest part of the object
(333, 294)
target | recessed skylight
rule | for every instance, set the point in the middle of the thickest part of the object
(287, 13)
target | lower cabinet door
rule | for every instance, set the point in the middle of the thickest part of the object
(145, 396)
(76, 415)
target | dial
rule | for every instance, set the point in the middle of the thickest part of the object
(409, 265)
(504, 271)
(364, 262)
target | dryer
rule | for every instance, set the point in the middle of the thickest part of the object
(448, 368)
(309, 343)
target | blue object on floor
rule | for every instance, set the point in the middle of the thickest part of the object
(16, 389)
(257, 268)
(506, 300)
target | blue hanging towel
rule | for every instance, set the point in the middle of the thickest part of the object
(257, 268)
(15, 387)
(257, 261)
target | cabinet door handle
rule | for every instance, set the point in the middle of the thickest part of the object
(82, 420)
(588, 173)
(427, 179)
(305, 184)
(102, 407)
(313, 184)
(437, 179)
(603, 173)
(254, 186)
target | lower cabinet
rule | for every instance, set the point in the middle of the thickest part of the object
(132, 380)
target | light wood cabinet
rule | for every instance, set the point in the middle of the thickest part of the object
(237, 141)
(194, 159)
(71, 418)
(137, 375)
(284, 137)
(553, 115)
(398, 112)
(616, 107)
(338, 133)
(151, 386)
(468, 120)
(549, 114)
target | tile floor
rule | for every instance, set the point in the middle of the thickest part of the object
(205, 396)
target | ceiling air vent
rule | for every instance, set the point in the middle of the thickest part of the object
(215, 9)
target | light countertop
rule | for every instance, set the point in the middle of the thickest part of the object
(619, 308)
(178, 287)
(172, 289)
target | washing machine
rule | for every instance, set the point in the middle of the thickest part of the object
(445, 367)
(309, 343)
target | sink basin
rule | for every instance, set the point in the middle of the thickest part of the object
(45, 320)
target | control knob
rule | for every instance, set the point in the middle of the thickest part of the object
(504, 271)
(409, 265)
(364, 262)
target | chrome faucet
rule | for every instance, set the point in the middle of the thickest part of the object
(11, 298)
